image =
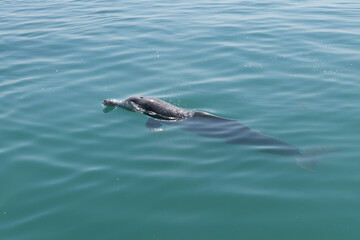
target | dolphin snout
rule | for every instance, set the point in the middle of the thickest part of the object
(110, 102)
(118, 103)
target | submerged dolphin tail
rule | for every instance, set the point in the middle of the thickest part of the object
(307, 158)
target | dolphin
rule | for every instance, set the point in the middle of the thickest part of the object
(209, 125)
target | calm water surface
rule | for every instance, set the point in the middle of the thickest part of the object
(69, 171)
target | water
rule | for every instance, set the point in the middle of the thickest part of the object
(69, 171)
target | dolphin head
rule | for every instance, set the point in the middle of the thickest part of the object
(138, 103)
(150, 106)
(157, 108)
(110, 104)
(135, 103)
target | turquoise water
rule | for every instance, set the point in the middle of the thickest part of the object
(289, 69)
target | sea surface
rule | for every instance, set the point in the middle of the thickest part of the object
(68, 170)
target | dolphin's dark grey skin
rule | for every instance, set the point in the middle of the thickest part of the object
(208, 125)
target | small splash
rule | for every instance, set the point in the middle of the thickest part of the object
(329, 75)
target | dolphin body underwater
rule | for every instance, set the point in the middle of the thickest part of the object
(208, 125)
